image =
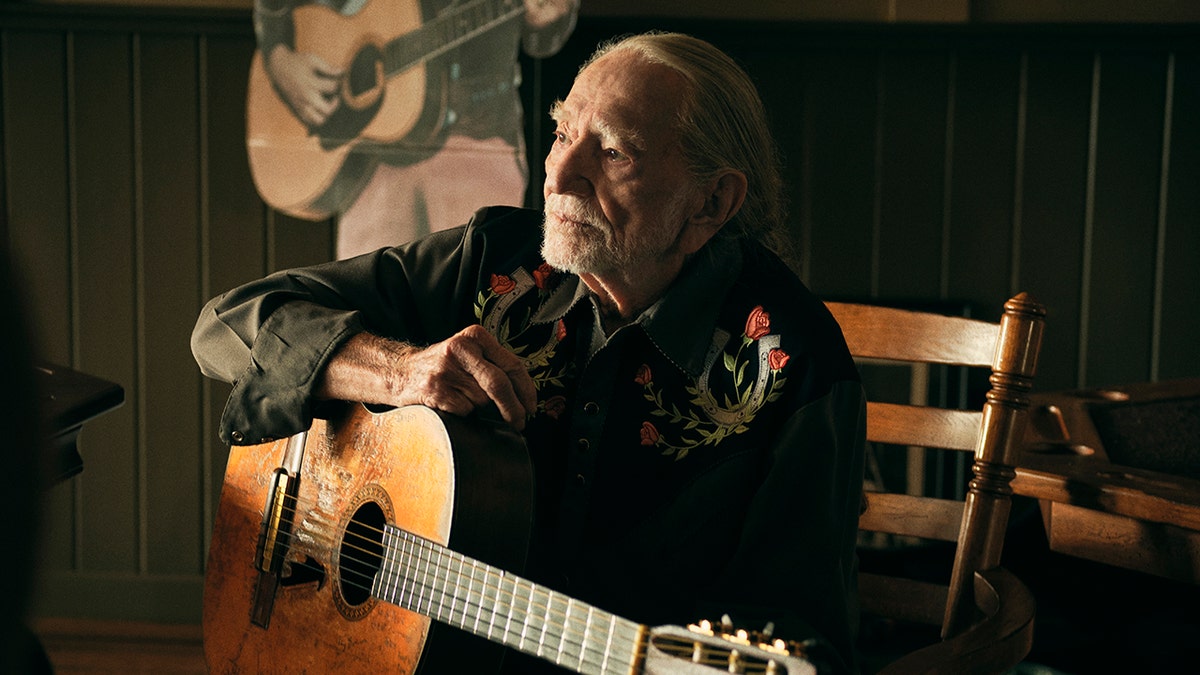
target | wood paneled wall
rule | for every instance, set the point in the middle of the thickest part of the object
(923, 163)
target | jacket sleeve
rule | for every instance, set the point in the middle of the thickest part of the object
(272, 337)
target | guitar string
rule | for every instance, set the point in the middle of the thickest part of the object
(573, 636)
(425, 592)
(590, 652)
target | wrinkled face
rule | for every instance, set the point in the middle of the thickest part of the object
(618, 192)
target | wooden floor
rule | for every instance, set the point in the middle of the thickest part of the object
(77, 646)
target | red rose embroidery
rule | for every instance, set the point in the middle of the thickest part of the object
(649, 434)
(758, 324)
(502, 284)
(554, 406)
(777, 359)
(643, 375)
(542, 274)
(561, 332)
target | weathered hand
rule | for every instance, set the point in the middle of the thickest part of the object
(465, 373)
(459, 375)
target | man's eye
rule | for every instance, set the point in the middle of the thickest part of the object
(611, 153)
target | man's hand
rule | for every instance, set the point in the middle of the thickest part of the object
(458, 375)
(542, 13)
(307, 83)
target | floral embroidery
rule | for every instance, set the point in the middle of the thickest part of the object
(710, 421)
(649, 434)
(501, 284)
(542, 274)
(777, 359)
(758, 324)
(643, 375)
(497, 307)
(553, 406)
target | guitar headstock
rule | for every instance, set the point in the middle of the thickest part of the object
(706, 648)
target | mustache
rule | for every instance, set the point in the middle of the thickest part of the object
(575, 209)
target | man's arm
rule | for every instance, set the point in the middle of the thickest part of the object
(459, 375)
(276, 337)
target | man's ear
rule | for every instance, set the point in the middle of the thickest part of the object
(723, 198)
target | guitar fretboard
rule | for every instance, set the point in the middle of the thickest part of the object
(427, 578)
(448, 31)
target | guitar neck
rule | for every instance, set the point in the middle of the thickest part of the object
(429, 579)
(447, 32)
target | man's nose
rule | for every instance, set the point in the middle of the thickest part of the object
(567, 170)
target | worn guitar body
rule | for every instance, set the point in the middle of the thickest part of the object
(367, 539)
(474, 496)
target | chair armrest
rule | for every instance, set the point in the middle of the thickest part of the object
(993, 645)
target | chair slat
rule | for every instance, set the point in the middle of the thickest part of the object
(923, 426)
(903, 335)
(907, 515)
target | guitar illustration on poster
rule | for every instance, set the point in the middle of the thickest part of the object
(375, 73)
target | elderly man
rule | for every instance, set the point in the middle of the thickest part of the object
(692, 413)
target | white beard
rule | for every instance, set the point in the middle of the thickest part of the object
(580, 240)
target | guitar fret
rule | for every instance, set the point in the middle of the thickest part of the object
(545, 618)
(426, 591)
(408, 583)
(557, 605)
(479, 603)
(491, 606)
(458, 577)
(508, 615)
(431, 580)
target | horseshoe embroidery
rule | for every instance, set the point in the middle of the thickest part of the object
(708, 420)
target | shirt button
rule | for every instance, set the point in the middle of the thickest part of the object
(583, 444)
(237, 436)
(580, 480)
(591, 407)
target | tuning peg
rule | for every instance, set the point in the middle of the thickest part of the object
(768, 631)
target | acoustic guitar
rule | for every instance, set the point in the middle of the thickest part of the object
(387, 102)
(339, 551)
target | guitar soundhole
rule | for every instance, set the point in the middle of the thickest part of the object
(361, 553)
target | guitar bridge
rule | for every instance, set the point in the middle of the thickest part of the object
(274, 538)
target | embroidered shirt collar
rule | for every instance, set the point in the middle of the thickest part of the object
(681, 323)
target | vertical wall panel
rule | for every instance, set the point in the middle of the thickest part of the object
(912, 183)
(35, 168)
(35, 144)
(1058, 96)
(103, 175)
(1128, 165)
(1179, 332)
(235, 231)
(840, 117)
(785, 113)
(170, 253)
(983, 170)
